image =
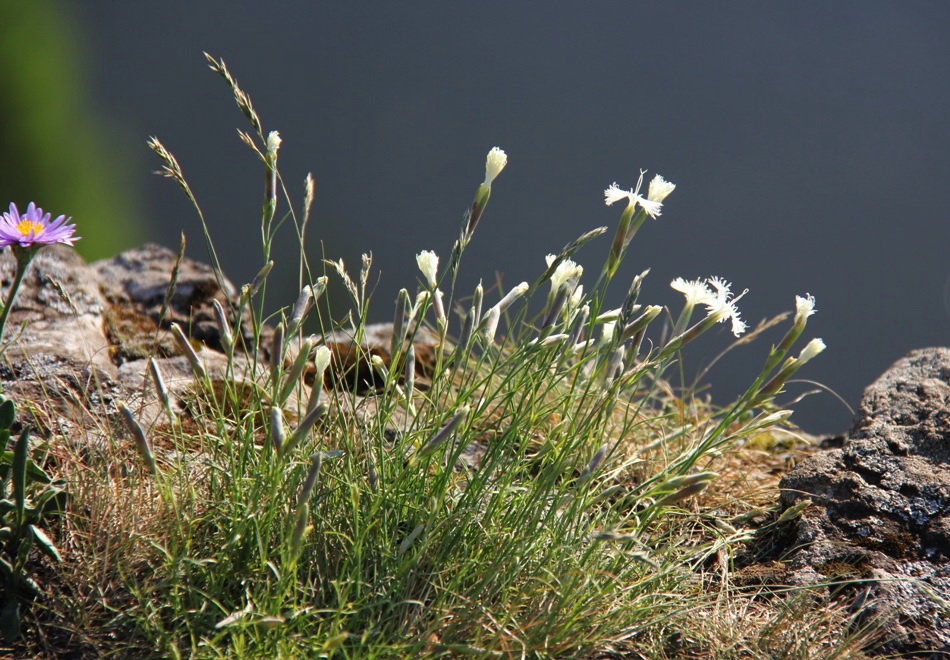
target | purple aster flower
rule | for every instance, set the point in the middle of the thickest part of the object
(34, 229)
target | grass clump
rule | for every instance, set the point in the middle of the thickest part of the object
(505, 473)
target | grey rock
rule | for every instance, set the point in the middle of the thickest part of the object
(879, 521)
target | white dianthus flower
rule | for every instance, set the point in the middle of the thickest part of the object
(615, 193)
(696, 291)
(428, 262)
(720, 306)
(566, 270)
(804, 307)
(494, 164)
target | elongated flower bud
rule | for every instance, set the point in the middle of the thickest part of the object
(301, 528)
(162, 391)
(372, 477)
(138, 435)
(491, 324)
(224, 329)
(793, 512)
(592, 466)
(270, 161)
(675, 483)
(477, 304)
(614, 364)
(502, 306)
(410, 372)
(301, 308)
(554, 311)
(306, 424)
(321, 359)
(277, 433)
(296, 370)
(439, 310)
(277, 353)
(408, 541)
(580, 322)
(465, 336)
(248, 291)
(444, 433)
(311, 480)
(185, 346)
(399, 323)
(813, 348)
(682, 494)
(641, 322)
(510, 297)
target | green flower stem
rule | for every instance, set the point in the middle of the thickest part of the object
(23, 259)
(630, 223)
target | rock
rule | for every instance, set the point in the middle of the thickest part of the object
(879, 519)
(79, 336)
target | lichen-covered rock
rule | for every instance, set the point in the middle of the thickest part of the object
(879, 520)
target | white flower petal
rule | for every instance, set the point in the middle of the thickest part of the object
(428, 262)
(273, 142)
(659, 189)
(494, 164)
(614, 194)
(696, 291)
(804, 307)
(813, 348)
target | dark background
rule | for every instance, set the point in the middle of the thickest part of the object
(810, 143)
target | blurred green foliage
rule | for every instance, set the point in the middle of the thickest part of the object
(55, 149)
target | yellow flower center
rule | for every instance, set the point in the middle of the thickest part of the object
(26, 226)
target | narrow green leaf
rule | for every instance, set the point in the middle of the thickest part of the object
(7, 414)
(45, 544)
(20, 451)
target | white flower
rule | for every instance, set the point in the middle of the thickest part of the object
(722, 287)
(813, 348)
(607, 332)
(566, 270)
(696, 291)
(273, 143)
(804, 307)
(494, 164)
(428, 262)
(720, 306)
(659, 189)
(321, 359)
(615, 193)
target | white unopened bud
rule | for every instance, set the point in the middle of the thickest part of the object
(494, 164)
(428, 262)
(813, 348)
(273, 143)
